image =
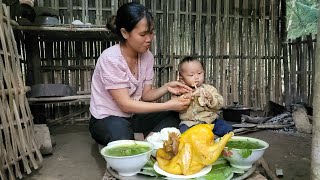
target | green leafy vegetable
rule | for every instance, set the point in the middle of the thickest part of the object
(220, 171)
(245, 152)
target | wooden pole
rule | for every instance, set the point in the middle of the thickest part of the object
(285, 52)
(315, 149)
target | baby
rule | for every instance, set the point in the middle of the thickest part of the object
(206, 99)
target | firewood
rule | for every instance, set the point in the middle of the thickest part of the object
(274, 126)
(279, 117)
(262, 126)
(256, 120)
(244, 130)
(266, 167)
(244, 125)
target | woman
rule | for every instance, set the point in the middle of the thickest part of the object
(121, 87)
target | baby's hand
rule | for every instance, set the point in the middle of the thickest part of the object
(187, 96)
(205, 98)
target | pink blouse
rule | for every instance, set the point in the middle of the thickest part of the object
(112, 72)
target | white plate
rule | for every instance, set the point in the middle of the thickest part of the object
(203, 172)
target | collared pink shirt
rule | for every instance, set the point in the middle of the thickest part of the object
(112, 72)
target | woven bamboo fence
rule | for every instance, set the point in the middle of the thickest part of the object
(239, 41)
(301, 52)
(18, 150)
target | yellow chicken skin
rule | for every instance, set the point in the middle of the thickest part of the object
(196, 150)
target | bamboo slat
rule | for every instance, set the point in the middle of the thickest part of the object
(223, 50)
(235, 77)
(216, 69)
(208, 42)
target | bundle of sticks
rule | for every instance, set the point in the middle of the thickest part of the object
(250, 124)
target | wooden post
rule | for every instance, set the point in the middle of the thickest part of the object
(283, 33)
(33, 59)
(315, 157)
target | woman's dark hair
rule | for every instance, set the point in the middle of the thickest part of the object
(187, 59)
(128, 15)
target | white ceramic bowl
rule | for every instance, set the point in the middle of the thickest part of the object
(158, 138)
(127, 165)
(244, 159)
(156, 145)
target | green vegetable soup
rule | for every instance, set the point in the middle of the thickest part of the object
(127, 150)
(243, 144)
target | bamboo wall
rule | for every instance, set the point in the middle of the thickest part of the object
(301, 53)
(239, 41)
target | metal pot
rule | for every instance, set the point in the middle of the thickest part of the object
(233, 113)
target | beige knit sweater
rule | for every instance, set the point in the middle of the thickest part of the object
(200, 109)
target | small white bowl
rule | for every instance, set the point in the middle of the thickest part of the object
(156, 145)
(127, 165)
(238, 160)
(158, 138)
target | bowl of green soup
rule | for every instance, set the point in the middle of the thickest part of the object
(127, 157)
(242, 152)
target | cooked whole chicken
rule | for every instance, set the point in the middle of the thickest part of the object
(196, 149)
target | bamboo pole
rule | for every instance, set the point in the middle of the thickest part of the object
(68, 28)
(223, 45)
(263, 50)
(285, 52)
(253, 76)
(235, 78)
(217, 46)
(175, 44)
(208, 34)
(313, 71)
(9, 150)
(271, 68)
(20, 91)
(304, 60)
(197, 48)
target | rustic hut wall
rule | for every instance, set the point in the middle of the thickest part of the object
(19, 152)
(239, 42)
(301, 53)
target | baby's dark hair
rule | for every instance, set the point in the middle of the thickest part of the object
(128, 16)
(188, 59)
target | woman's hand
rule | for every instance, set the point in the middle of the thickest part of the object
(178, 88)
(179, 103)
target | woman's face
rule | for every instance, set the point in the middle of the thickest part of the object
(140, 37)
(192, 73)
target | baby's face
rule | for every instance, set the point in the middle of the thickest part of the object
(192, 73)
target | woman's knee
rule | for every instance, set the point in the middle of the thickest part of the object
(169, 119)
(109, 129)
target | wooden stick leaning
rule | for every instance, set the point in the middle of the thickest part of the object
(266, 167)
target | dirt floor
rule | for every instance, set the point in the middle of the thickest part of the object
(76, 155)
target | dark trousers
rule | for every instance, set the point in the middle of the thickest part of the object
(114, 128)
(221, 127)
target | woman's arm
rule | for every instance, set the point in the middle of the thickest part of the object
(174, 87)
(128, 105)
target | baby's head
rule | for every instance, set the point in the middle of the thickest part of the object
(191, 71)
